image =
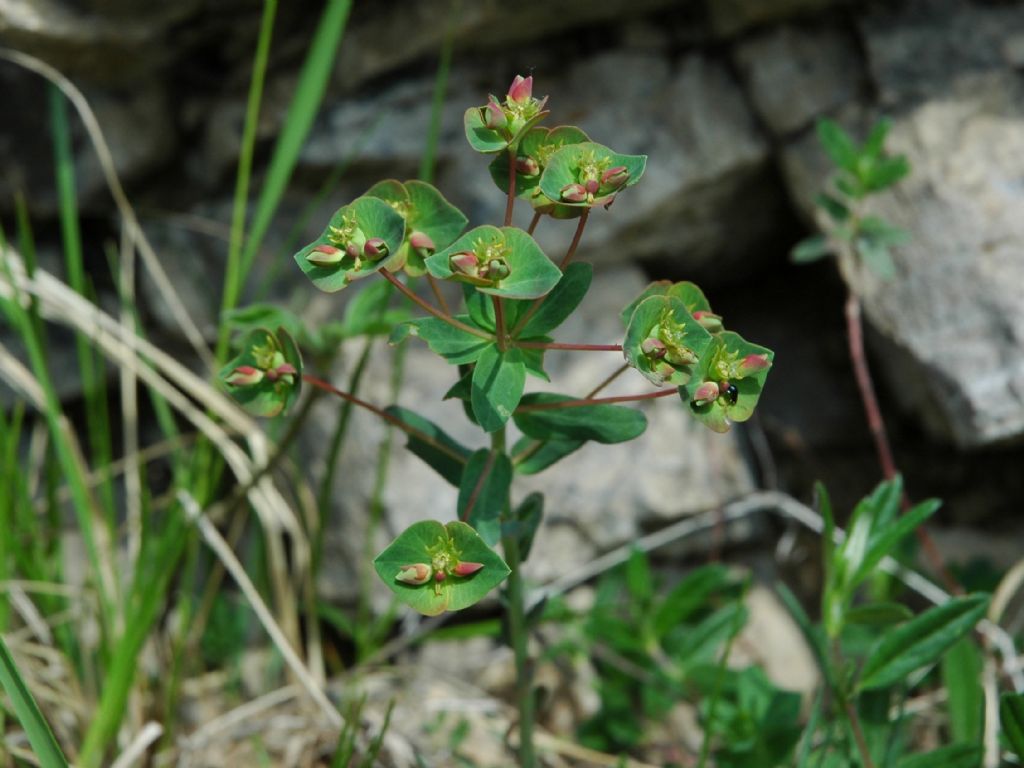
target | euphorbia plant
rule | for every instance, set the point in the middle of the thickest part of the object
(514, 297)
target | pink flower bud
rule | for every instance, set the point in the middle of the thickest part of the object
(521, 90)
(752, 364)
(244, 376)
(464, 263)
(654, 348)
(467, 569)
(591, 186)
(615, 177)
(706, 393)
(574, 193)
(440, 576)
(375, 248)
(421, 242)
(709, 320)
(415, 574)
(527, 166)
(285, 369)
(324, 256)
(352, 250)
(494, 115)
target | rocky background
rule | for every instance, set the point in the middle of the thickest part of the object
(723, 96)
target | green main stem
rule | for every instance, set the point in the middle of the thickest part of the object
(517, 630)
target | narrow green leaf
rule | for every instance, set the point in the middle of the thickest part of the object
(497, 386)
(560, 303)
(483, 492)
(886, 172)
(526, 519)
(453, 344)
(879, 614)
(690, 594)
(834, 208)
(961, 675)
(838, 144)
(305, 104)
(532, 456)
(449, 460)
(27, 711)
(884, 542)
(921, 641)
(952, 756)
(603, 422)
(1011, 718)
(810, 249)
(876, 256)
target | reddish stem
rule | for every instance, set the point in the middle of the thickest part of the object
(612, 377)
(478, 488)
(876, 425)
(393, 420)
(499, 323)
(533, 223)
(511, 187)
(595, 401)
(558, 345)
(432, 310)
(441, 302)
(575, 240)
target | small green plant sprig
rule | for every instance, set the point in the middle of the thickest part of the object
(514, 297)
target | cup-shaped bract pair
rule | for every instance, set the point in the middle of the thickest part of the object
(727, 382)
(431, 222)
(362, 237)
(501, 124)
(436, 568)
(503, 262)
(530, 161)
(266, 376)
(663, 340)
(588, 174)
(689, 293)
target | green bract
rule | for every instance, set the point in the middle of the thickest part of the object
(503, 262)
(532, 156)
(439, 549)
(431, 222)
(361, 238)
(589, 174)
(500, 124)
(266, 376)
(664, 341)
(738, 370)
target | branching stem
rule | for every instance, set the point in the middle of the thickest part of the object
(578, 347)
(433, 310)
(510, 205)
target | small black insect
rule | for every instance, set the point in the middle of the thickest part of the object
(729, 392)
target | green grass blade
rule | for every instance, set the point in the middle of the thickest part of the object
(309, 93)
(234, 275)
(27, 711)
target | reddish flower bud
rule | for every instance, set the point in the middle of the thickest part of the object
(615, 177)
(285, 369)
(440, 576)
(653, 348)
(709, 320)
(527, 166)
(706, 393)
(494, 116)
(467, 569)
(244, 376)
(415, 574)
(324, 256)
(421, 242)
(352, 250)
(574, 193)
(375, 248)
(591, 185)
(521, 90)
(752, 364)
(464, 263)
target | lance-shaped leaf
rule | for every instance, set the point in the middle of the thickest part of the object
(483, 492)
(951, 756)
(496, 386)
(546, 415)
(1011, 716)
(531, 455)
(453, 344)
(535, 150)
(265, 378)
(426, 213)
(361, 238)
(503, 262)
(921, 641)
(444, 454)
(664, 342)
(441, 548)
(739, 369)
(589, 174)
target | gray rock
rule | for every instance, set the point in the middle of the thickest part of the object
(729, 17)
(793, 74)
(598, 498)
